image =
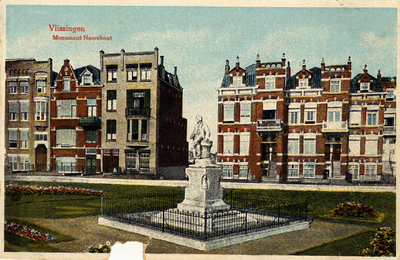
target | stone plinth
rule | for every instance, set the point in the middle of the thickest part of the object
(204, 192)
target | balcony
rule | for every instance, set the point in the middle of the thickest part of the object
(341, 126)
(90, 121)
(137, 112)
(389, 130)
(137, 143)
(269, 125)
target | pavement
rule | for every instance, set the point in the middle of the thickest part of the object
(100, 179)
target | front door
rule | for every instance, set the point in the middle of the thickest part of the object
(91, 164)
(41, 158)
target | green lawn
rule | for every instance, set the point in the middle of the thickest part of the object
(320, 203)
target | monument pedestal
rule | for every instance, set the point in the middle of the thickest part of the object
(204, 192)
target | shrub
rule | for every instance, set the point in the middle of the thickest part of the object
(382, 244)
(100, 248)
(353, 209)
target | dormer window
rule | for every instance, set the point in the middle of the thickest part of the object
(237, 80)
(335, 85)
(364, 86)
(303, 83)
(65, 71)
(87, 79)
(66, 83)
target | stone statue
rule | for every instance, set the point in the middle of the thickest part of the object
(201, 139)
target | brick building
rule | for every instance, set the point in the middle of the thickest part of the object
(76, 120)
(317, 124)
(27, 121)
(143, 127)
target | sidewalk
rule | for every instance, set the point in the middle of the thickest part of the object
(99, 179)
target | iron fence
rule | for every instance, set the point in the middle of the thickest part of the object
(159, 212)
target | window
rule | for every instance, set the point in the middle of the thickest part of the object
(66, 108)
(24, 139)
(130, 161)
(335, 85)
(133, 130)
(91, 136)
(293, 145)
(111, 100)
(355, 145)
(111, 130)
(132, 72)
(13, 138)
(243, 171)
(24, 163)
(237, 81)
(389, 121)
(364, 86)
(309, 170)
(334, 116)
(92, 107)
(303, 83)
(40, 137)
(13, 111)
(294, 117)
(353, 169)
(293, 170)
(41, 111)
(309, 145)
(66, 164)
(370, 171)
(229, 112)
(24, 111)
(24, 87)
(228, 144)
(270, 82)
(227, 171)
(13, 163)
(87, 79)
(144, 160)
(145, 72)
(310, 115)
(112, 73)
(41, 86)
(245, 112)
(144, 130)
(355, 115)
(66, 138)
(12, 87)
(66, 83)
(372, 117)
(244, 143)
(389, 94)
(371, 145)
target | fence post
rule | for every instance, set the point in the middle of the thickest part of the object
(245, 223)
(163, 220)
(102, 200)
(306, 210)
(205, 225)
(279, 213)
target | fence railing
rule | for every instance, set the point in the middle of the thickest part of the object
(159, 212)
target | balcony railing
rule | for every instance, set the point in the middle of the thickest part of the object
(90, 121)
(137, 112)
(269, 125)
(389, 130)
(341, 126)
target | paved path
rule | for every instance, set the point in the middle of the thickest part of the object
(87, 232)
(226, 185)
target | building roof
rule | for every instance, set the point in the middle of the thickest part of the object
(376, 84)
(95, 72)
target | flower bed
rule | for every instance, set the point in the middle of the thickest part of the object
(100, 248)
(24, 231)
(52, 190)
(383, 243)
(353, 209)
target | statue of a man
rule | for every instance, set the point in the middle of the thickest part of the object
(201, 132)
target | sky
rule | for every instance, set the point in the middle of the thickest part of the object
(199, 40)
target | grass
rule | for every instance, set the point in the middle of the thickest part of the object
(349, 246)
(320, 203)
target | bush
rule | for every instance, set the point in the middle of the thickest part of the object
(353, 209)
(100, 248)
(382, 244)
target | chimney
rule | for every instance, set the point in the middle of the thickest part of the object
(304, 65)
(101, 60)
(162, 61)
(365, 69)
(122, 60)
(323, 64)
(66, 62)
(237, 62)
(258, 62)
(227, 68)
(349, 64)
(379, 75)
(175, 70)
(288, 72)
(283, 60)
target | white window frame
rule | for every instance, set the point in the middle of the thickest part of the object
(237, 81)
(132, 74)
(243, 171)
(66, 137)
(270, 82)
(112, 103)
(371, 170)
(24, 144)
(229, 112)
(354, 170)
(354, 145)
(372, 117)
(24, 89)
(24, 115)
(66, 83)
(303, 83)
(334, 115)
(294, 116)
(309, 170)
(66, 108)
(293, 144)
(24, 163)
(12, 89)
(13, 162)
(41, 88)
(228, 171)
(336, 85)
(364, 86)
(309, 145)
(244, 143)
(41, 115)
(112, 74)
(310, 115)
(293, 170)
(229, 146)
(13, 115)
(12, 141)
(371, 145)
(145, 73)
(355, 115)
(92, 107)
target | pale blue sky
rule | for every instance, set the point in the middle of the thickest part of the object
(198, 40)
